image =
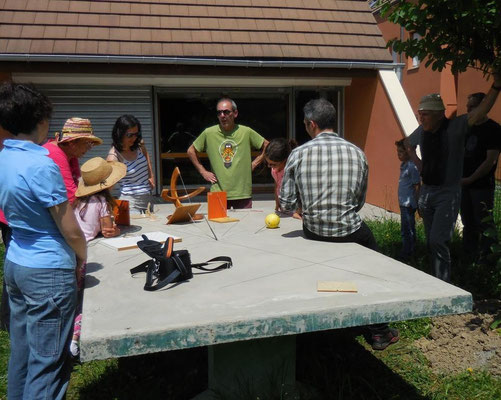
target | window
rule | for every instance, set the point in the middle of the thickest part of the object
(184, 115)
(301, 98)
(415, 60)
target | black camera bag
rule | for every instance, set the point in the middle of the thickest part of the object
(168, 266)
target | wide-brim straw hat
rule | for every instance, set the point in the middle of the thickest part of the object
(99, 174)
(78, 128)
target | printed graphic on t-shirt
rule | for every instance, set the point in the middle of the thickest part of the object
(227, 150)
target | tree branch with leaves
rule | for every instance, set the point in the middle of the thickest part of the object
(459, 33)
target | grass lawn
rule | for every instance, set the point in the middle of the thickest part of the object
(330, 365)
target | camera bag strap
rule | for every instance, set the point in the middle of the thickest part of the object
(151, 266)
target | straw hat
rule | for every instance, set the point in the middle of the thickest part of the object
(77, 128)
(99, 174)
(431, 102)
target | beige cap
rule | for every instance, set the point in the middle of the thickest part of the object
(431, 102)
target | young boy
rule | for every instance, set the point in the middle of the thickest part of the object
(408, 188)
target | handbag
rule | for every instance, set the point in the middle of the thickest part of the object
(168, 266)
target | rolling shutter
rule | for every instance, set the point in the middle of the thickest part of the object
(102, 105)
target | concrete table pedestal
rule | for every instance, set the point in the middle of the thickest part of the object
(259, 367)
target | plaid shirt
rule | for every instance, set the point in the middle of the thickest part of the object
(327, 177)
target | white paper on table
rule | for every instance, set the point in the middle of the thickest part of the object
(130, 242)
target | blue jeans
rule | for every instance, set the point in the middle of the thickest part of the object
(439, 208)
(42, 302)
(408, 231)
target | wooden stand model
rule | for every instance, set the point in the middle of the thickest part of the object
(182, 213)
(217, 206)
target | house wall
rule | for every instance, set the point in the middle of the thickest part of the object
(473, 81)
(371, 124)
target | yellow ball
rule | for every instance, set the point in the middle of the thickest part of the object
(272, 221)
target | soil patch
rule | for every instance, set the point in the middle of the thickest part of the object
(459, 342)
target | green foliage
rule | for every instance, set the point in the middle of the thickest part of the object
(456, 32)
(410, 364)
(414, 329)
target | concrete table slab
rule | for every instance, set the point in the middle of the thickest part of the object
(269, 293)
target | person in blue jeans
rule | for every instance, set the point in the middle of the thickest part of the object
(45, 247)
(408, 190)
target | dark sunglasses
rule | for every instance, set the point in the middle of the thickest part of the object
(225, 112)
(131, 134)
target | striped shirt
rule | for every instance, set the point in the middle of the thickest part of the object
(136, 180)
(327, 176)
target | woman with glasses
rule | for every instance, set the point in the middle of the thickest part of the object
(76, 138)
(129, 149)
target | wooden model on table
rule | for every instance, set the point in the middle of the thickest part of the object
(182, 213)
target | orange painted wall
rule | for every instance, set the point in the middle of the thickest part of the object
(473, 81)
(371, 124)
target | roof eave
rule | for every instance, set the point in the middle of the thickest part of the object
(253, 63)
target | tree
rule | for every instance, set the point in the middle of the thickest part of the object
(460, 33)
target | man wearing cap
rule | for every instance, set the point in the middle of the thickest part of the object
(442, 144)
(228, 146)
(76, 138)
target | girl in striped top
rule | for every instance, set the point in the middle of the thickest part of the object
(129, 149)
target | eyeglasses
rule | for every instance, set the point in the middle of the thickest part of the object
(128, 135)
(225, 112)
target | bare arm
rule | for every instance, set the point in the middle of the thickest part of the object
(277, 201)
(259, 159)
(411, 150)
(108, 227)
(112, 155)
(151, 178)
(479, 113)
(416, 192)
(483, 169)
(68, 226)
(193, 156)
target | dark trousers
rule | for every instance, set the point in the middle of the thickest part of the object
(408, 231)
(476, 215)
(364, 237)
(439, 207)
(240, 203)
(4, 305)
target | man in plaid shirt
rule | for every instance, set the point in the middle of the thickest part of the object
(327, 178)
